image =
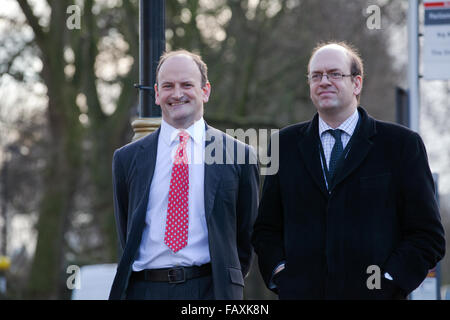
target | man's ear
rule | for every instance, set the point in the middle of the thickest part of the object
(206, 90)
(156, 94)
(357, 82)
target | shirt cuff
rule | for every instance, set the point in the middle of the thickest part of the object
(388, 276)
(277, 269)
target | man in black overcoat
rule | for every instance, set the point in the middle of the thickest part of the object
(351, 212)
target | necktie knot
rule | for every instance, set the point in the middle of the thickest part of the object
(183, 136)
(335, 133)
(181, 153)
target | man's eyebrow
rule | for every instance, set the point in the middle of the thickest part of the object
(166, 82)
(328, 70)
(334, 69)
(180, 81)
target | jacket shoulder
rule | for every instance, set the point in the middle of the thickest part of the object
(133, 146)
(294, 130)
(230, 140)
(395, 131)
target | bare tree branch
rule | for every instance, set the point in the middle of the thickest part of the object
(90, 51)
(34, 24)
(5, 67)
(130, 30)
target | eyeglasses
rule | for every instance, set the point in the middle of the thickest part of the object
(317, 76)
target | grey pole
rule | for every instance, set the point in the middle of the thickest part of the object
(4, 208)
(151, 45)
(413, 64)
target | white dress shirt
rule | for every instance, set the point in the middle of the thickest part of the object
(153, 253)
(348, 127)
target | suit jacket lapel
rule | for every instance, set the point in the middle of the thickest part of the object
(146, 160)
(360, 147)
(212, 171)
(309, 149)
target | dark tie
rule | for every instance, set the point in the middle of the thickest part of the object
(336, 152)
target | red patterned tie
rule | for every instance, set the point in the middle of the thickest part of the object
(177, 211)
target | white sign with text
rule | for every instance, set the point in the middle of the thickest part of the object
(436, 50)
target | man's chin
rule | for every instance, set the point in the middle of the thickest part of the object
(327, 105)
(183, 121)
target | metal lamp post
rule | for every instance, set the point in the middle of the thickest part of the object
(151, 46)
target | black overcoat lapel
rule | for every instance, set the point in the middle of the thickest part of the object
(309, 149)
(360, 147)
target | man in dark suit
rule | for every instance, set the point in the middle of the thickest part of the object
(351, 212)
(184, 206)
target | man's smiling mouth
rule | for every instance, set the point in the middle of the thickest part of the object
(179, 103)
(326, 92)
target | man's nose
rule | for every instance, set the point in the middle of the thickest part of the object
(177, 92)
(325, 80)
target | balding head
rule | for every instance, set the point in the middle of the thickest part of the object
(354, 59)
(196, 58)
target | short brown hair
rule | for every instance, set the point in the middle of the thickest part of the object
(197, 59)
(356, 62)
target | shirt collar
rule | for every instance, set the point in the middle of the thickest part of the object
(348, 126)
(169, 134)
